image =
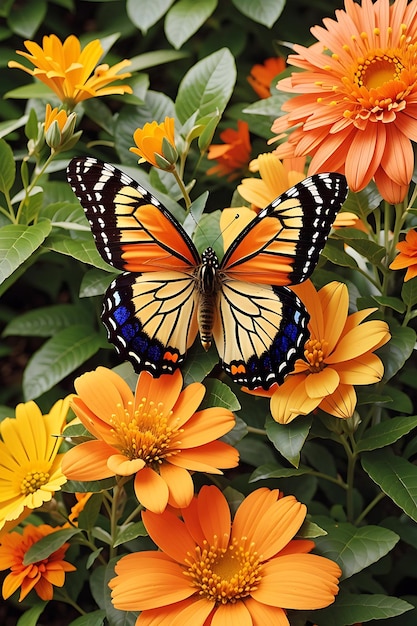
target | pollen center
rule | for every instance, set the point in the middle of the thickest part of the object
(33, 481)
(377, 70)
(224, 574)
(314, 351)
(143, 433)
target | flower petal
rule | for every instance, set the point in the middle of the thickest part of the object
(291, 399)
(88, 461)
(170, 534)
(180, 484)
(151, 490)
(264, 615)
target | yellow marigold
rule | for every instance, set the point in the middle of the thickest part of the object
(42, 575)
(408, 255)
(30, 466)
(355, 111)
(212, 569)
(155, 144)
(233, 155)
(155, 435)
(262, 74)
(338, 355)
(70, 72)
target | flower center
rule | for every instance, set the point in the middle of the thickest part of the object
(143, 433)
(378, 69)
(314, 351)
(33, 481)
(224, 574)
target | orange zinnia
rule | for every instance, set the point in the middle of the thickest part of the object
(155, 143)
(72, 73)
(233, 155)
(357, 109)
(261, 75)
(408, 255)
(211, 569)
(41, 575)
(155, 435)
(338, 355)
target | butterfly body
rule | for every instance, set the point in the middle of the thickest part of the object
(168, 293)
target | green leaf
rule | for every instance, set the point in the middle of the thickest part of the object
(310, 530)
(273, 470)
(154, 58)
(353, 548)
(198, 363)
(25, 18)
(95, 283)
(114, 616)
(31, 616)
(94, 618)
(289, 439)
(18, 243)
(219, 394)
(409, 292)
(95, 486)
(88, 516)
(399, 348)
(391, 302)
(43, 548)
(386, 433)
(207, 86)
(366, 248)
(26, 92)
(363, 202)
(395, 476)
(264, 12)
(45, 321)
(208, 233)
(81, 249)
(145, 14)
(195, 213)
(269, 107)
(7, 167)
(130, 532)
(185, 18)
(9, 126)
(58, 357)
(334, 252)
(351, 608)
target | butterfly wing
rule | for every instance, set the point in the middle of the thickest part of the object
(282, 244)
(151, 318)
(261, 327)
(150, 310)
(259, 332)
(133, 231)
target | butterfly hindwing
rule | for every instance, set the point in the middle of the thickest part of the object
(259, 332)
(133, 231)
(282, 244)
(151, 318)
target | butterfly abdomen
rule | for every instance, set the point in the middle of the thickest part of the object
(208, 286)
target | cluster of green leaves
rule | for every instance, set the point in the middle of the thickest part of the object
(358, 478)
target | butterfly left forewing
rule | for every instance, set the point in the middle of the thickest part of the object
(259, 331)
(282, 244)
(151, 319)
(133, 231)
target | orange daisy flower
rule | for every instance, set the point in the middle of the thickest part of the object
(338, 355)
(233, 155)
(408, 255)
(357, 109)
(211, 569)
(70, 72)
(261, 75)
(41, 576)
(155, 435)
(156, 144)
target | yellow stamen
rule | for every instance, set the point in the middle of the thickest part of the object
(224, 574)
(314, 351)
(143, 433)
(33, 481)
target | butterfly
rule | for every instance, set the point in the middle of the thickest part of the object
(168, 292)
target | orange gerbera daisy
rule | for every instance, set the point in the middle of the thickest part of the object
(357, 108)
(214, 570)
(338, 355)
(233, 155)
(261, 75)
(156, 144)
(41, 575)
(30, 466)
(155, 435)
(408, 255)
(71, 72)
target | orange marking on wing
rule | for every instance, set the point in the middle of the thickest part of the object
(171, 356)
(238, 369)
